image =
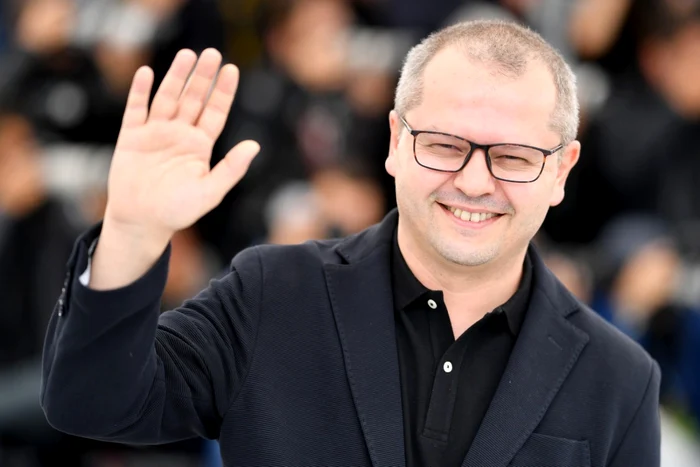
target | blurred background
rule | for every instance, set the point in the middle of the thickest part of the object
(316, 86)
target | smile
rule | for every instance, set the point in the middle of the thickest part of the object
(475, 217)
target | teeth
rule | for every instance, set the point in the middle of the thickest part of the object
(471, 216)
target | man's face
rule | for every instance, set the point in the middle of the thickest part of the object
(473, 101)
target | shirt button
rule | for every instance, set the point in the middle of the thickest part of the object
(447, 367)
(432, 304)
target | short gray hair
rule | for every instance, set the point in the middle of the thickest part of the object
(507, 46)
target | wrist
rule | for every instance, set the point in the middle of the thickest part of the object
(125, 253)
(144, 239)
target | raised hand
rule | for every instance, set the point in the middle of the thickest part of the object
(160, 179)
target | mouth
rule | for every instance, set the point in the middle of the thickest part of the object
(470, 216)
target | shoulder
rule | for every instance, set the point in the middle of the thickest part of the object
(289, 266)
(317, 253)
(609, 356)
(310, 253)
(618, 364)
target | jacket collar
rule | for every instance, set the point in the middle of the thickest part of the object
(355, 248)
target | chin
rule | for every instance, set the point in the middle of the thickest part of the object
(464, 253)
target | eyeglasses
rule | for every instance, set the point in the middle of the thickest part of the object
(443, 152)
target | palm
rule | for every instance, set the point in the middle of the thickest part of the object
(171, 159)
(160, 176)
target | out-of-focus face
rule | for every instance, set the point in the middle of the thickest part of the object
(475, 102)
(45, 26)
(647, 280)
(679, 63)
(312, 44)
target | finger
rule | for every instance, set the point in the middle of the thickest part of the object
(215, 114)
(136, 112)
(165, 102)
(197, 89)
(229, 171)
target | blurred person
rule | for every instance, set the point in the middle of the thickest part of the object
(191, 266)
(293, 102)
(606, 36)
(374, 59)
(338, 201)
(596, 25)
(572, 273)
(31, 260)
(436, 337)
(349, 198)
(294, 216)
(36, 237)
(643, 143)
(44, 26)
(610, 31)
(193, 24)
(123, 35)
(641, 268)
(75, 58)
(37, 232)
(60, 84)
(307, 58)
(306, 41)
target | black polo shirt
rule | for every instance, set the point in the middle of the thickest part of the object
(447, 384)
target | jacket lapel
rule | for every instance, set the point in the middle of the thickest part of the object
(362, 304)
(545, 352)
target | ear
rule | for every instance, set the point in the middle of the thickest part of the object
(392, 159)
(569, 158)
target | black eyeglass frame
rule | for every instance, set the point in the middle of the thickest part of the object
(473, 146)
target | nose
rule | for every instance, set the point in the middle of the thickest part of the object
(475, 179)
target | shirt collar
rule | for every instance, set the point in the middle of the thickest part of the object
(407, 289)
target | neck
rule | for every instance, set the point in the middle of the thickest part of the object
(472, 290)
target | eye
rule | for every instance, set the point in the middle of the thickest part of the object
(445, 146)
(512, 158)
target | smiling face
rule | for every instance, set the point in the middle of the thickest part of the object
(474, 101)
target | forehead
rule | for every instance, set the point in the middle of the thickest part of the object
(477, 101)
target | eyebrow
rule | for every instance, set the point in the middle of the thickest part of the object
(432, 127)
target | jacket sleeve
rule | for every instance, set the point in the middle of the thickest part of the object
(115, 369)
(641, 444)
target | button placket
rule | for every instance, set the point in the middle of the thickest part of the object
(442, 401)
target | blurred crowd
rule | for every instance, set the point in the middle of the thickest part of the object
(317, 83)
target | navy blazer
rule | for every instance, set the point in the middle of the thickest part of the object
(291, 360)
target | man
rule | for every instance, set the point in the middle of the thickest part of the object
(437, 337)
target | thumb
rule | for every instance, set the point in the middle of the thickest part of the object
(229, 171)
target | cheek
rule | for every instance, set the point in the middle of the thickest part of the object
(416, 180)
(527, 199)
